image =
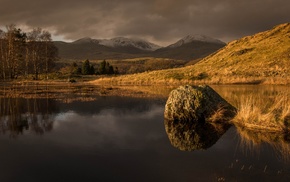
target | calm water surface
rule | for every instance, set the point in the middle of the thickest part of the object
(113, 138)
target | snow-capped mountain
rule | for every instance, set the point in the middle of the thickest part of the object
(192, 47)
(123, 42)
(197, 37)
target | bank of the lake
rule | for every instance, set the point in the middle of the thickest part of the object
(188, 75)
(259, 112)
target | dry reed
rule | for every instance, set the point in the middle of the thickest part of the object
(273, 115)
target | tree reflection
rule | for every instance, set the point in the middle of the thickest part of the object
(189, 136)
(18, 115)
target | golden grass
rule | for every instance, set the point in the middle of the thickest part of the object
(172, 77)
(254, 113)
(218, 115)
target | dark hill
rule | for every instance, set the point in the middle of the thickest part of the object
(190, 51)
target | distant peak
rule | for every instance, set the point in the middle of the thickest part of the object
(196, 37)
(83, 40)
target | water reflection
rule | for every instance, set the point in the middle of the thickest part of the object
(124, 139)
(264, 93)
(252, 141)
(19, 115)
(189, 136)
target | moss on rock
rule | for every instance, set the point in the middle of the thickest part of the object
(197, 104)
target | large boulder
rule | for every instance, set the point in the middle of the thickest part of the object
(197, 104)
(196, 117)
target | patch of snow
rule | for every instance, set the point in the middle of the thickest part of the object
(124, 42)
(144, 45)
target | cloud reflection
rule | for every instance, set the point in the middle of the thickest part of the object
(110, 128)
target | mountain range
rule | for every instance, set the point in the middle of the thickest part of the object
(191, 47)
(260, 58)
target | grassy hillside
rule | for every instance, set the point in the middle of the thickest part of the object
(261, 58)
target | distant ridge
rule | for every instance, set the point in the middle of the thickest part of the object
(189, 48)
(120, 42)
(123, 42)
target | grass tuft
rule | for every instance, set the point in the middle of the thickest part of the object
(218, 115)
(274, 115)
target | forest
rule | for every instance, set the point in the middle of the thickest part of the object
(26, 53)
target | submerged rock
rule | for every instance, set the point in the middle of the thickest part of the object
(197, 104)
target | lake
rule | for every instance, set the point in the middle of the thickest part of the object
(92, 133)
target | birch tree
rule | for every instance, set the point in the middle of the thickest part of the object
(33, 50)
(49, 51)
(2, 53)
(24, 54)
(15, 40)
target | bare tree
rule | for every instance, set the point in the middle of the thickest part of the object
(14, 53)
(22, 54)
(2, 53)
(49, 51)
(34, 49)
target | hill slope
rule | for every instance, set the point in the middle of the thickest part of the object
(260, 58)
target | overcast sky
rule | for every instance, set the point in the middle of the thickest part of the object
(159, 21)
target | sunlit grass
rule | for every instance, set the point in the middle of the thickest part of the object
(255, 113)
(218, 115)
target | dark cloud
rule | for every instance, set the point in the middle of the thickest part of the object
(160, 21)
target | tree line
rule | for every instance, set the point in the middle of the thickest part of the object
(25, 53)
(104, 68)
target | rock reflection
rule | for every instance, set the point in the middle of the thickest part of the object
(251, 140)
(189, 136)
(18, 115)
